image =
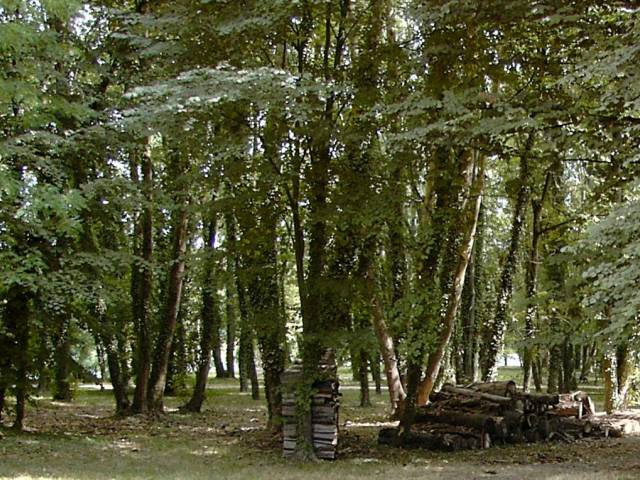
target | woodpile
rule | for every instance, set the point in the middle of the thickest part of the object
(324, 409)
(479, 415)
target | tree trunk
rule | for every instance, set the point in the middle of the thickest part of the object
(210, 322)
(531, 281)
(467, 234)
(555, 369)
(246, 354)
(623, 375)
(3, 390)
(385, 342)
(102, 362)
(248, 371)
(569, 383)
(610, 381)
(142, 284)
(17, 314)
(117, 377)
(363, 374)
(229, 222)
(167, 327)
(62, 354)
(375, 372)
(494, 335)
(177, 366)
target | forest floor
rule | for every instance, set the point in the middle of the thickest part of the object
(82, 440)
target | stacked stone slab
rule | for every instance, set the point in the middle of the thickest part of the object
(324, 409)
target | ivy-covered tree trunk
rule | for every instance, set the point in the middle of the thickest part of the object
(62, 356)
(363, 377)
(374, 362)
(569, 382)
(164, 340)
(177, 366)
(531, 281)
(610, 381)
(231, 321)
(17, 313)
(268, 322)
(5, 369)
(494, 333)
(142, 282)
(117, 376)
(247, 362)
(210, 320)
(386, 345)
(624, 377)
(466, 235)
(555, 369)
(471, 304)
(246, 352)
(438, 209)
(231, 296)
(531, 284)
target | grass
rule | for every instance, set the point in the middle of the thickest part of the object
(82, 440)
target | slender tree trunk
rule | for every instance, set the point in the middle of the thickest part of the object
(465, 365)
(116, 375)
(376, 373)
(3, 390)
(569, 382)
(555, 369)
(268, 321)
(248, 371)
(17, 314)
(531, 280)
(246, 354)
(531, 284)
(231, 331)
(164, 340)
(468, 227)
(623, 375)
(62, 355)
(210, 323)
(177, 366)
(230, 307)
(494, 335)
(385, 342)
(142, 285)
(363, 374)
(610, 381)
(102, 362)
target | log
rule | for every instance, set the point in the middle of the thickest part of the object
(575, 425)
(509, 402)
(449, 440)
(588, 407)
(573, 409)
(504, 389)
(481, 414)
(537, 402)
(478, 421)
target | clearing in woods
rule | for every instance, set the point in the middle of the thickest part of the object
(83, 440)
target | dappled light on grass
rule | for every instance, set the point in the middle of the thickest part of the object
(229, 440)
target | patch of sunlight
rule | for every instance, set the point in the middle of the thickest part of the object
(206, 451)
(361, 461)
(350, 424)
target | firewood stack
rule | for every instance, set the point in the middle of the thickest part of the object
(482, 414)
(324, 409)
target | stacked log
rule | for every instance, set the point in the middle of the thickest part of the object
(324, 410)
(483, 414)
